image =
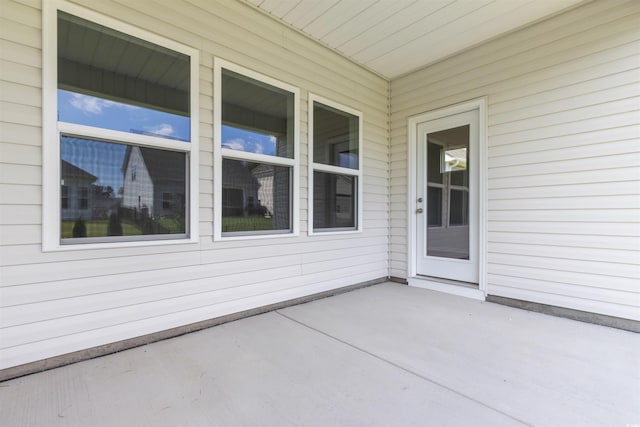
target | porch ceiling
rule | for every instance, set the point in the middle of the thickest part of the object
(395, 37)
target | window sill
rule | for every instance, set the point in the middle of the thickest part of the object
(58, 247)
(333, 233)
(226, 238)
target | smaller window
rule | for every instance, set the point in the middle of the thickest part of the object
(256, 162)
(335, 167)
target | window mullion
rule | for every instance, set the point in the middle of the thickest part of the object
(228, 153)
(320, 167)
(124, 137)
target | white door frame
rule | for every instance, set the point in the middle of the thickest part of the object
(479, 104)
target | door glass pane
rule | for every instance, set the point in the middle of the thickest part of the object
(448, 193)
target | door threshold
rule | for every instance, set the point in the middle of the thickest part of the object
(463, 289)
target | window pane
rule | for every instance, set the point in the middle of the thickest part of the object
(111, 189)
(257, 117)
(334, 200)
(111, 80)
(255, 197)
(335, 137)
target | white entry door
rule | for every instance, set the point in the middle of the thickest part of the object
(447, 197)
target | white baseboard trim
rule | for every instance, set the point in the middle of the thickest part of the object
(448, 288)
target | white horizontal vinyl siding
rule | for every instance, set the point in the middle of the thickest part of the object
(58, 302)
(563, 156)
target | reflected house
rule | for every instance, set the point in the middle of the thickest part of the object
(344, 196)
(239, 189)
(76, 192)
(153, 183)
(264, 175)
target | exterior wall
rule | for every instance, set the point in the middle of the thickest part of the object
(58, 302)
(563, 156)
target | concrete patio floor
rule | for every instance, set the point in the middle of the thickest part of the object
(384, 355)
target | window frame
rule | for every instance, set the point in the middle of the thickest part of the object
(53, 130)
(336, 170)
(220, 153)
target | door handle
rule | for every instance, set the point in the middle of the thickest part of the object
(419, 210)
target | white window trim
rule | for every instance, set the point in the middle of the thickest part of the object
(335, 169)
(52, 129)
(219, 153)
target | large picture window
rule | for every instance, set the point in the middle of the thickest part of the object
(335, 166)
(255, 160)
(121, 143)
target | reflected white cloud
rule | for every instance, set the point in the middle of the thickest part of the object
(92, 105)
(98, 112)
(235, 144)
(163, 129)
(87, 104)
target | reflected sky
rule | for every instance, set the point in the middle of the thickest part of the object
(248, 141)
(104, 159)
(102, 113)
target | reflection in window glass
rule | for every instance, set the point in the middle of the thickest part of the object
(335, 137)
(84, 198)
(334, 200)
(255, 197)
(116, 81)
(249, 141)
(433, 163)
(434, 206)
(64, 194)
(99, 112)
(256, 117)
(459, 178)
(120, 190)
(454, 159)
(459, 207)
